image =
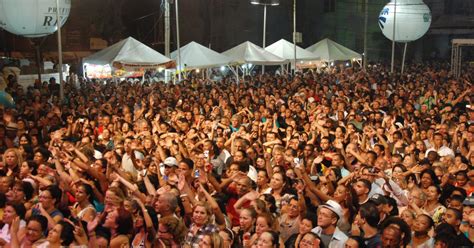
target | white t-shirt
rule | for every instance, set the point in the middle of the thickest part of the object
(127, 164)
(442, 151)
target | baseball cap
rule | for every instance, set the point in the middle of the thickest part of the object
(170, 162)
(399, 125)
(334, 207)
(378, 199)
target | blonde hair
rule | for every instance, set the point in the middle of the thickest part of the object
(216, 240)
(118, 192)
(207, 208)
(18, 156)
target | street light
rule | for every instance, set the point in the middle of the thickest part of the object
(60, 53)
(265, 3)
(294, 37)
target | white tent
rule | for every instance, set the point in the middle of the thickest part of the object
(128, 52)
(249, 53)
(285, 49)
(329, 50)
(195, 56)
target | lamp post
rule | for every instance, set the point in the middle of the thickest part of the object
(294, 37)
(265, 3)
(393, 35)
(366, 17)
(177, 41)
(60, 53)
(167, 28)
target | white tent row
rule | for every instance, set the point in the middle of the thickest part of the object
(132, 53)
(194, 55)
(279, 53)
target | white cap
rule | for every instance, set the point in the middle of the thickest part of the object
(399, 125)
(171, 161)
(97, 154)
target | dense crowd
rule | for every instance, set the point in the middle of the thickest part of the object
(333, 158)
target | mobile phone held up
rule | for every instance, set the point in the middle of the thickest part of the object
(297, 162)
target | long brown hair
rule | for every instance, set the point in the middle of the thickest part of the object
(175, 227)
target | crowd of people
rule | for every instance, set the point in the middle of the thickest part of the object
(335, 158)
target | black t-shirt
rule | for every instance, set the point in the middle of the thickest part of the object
(290, 242)
(374, 241)
(462, 241)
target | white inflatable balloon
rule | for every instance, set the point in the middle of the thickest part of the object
(32, 18)
(413, 19)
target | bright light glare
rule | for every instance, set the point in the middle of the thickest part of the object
(222, 68)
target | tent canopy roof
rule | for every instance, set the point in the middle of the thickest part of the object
(127, 51)
(195, 55)
(329, 50)
(285, 49)
(248, 52)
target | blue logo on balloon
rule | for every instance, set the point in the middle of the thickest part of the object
(383, 20)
